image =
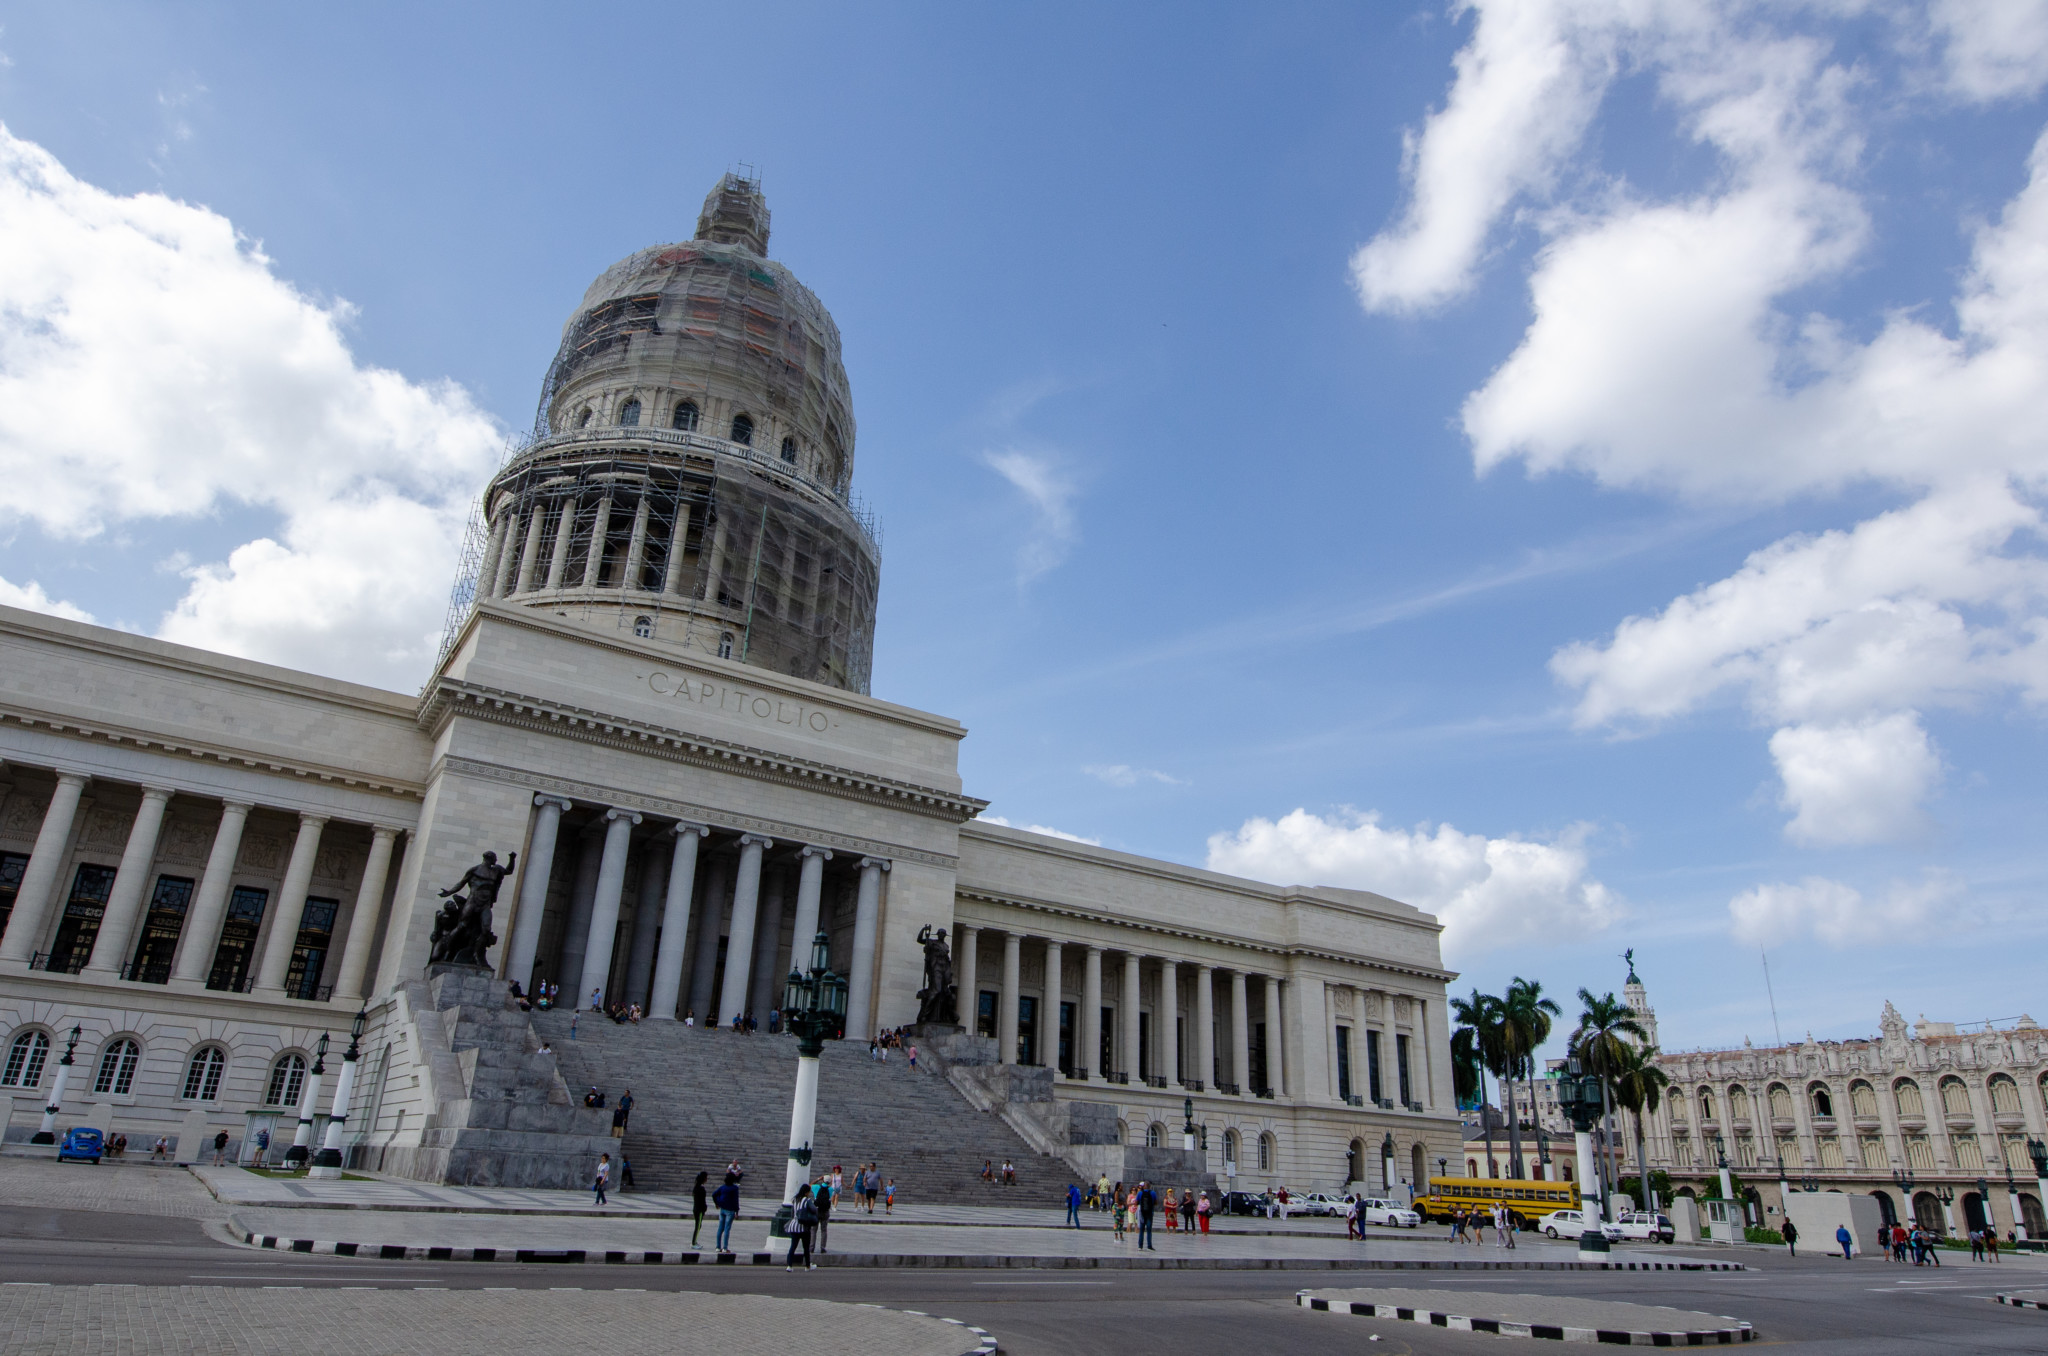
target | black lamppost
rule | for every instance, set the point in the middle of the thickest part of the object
(47, 1134)
(327, 1162)
(1946, 1194)
(309, 1105)
(1187, 1129)
(1578, 1096)
(813, 1008)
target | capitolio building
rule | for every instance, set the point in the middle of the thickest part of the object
(652, 710)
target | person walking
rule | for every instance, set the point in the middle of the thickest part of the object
(1203, 1210)
(1074, 1204)
(1148, 1205)
(220, 1147)
(803, 1217)
(1353, 1227)
(1790, 1233)
(625, 1111)
(1842, 1237)
(826, 1201)
(699, 1204)
(889, 1197)
(604, 1177)
(727, 1199)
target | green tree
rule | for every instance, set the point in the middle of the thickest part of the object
(1602, 1045)
(1525, 1024)
(1481, 1015)
(1639, 1088)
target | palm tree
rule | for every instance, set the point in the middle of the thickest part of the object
(1481, 1015)
(1602, 1044)
(1640, 1089)
(1466, 1070)
(1525, 1024)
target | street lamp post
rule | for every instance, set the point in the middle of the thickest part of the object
(1187, 1129)
(1946, 1194)
(813, 1008)
(2038, 1151)
(309, 1106)
(48, 1133)
(327, 1163)
(1721, 1156)
(1580, 1098)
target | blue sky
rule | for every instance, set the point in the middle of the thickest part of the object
(1566, 463)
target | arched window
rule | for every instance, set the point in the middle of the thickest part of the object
(1230, 1146)
(287, 1081)
(1781, 1103)
(1862, 1100)
(1907, 1093)
(685, 417)
(1823, 1101)
(643, 627)
(1706, 1104)
(1471, 1167)
(629, 414)
(25, 1059)
(1354, 1161)
(743, 429)
(1564, 1170)
(1266, 1154)
(583, 419)
(1738, 1103)
(1955, 1098)
(1155, 1135)
(117, 1068)
(202, 1075)
(725, 645)
(789, 450)
(2005, 1096)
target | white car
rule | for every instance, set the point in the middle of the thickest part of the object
(1319, 1203)
(1640, 1224)
(1377, 1211)
(1572, 1223)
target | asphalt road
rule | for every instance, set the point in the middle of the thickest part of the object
(1870, 1308)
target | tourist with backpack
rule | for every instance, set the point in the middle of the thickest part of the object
(727, 1199)
(803, 1217)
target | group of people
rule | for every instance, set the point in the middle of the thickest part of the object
(725, 1197)
(881, 1045)
(1132, 1208)
(1917, 1245)
(1006, 1174)
(543, 997)
(1476, 1221)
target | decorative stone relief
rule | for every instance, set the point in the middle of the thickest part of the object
(1341, 1001)
(334, 863)
(187, 841)
(105, 829)
(23, 816)
(1404, 1009)
(262, 852)
(1372, 1006)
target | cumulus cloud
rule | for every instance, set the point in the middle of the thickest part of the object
(153, 366)
(1993, 49)
(1838, 914)
(1124, 775)
(1045, 829)
(34, 598)
(1488, 892)
(1050, 492)
(1856, 783)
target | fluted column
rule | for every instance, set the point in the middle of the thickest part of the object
(810, 884)
(1090, 1055)
(210, 903)
(291, 906)
(1205, 1026)
(39, 878)
(679, 538)
(739, 945)
(646, 922)
(362, 920)
(966, 978)
(529, 555)
(534, 879)
(710, 919)
(1049, 1010)
(111, 948)
(604, 908)
(600, 535)
(636, 547)
(1006, 1002)
(508, 556)
(1275, 1069)
(667, 993)
(1130, 1052)
(565, 528)
(867, 916)
(1240, 1034)
(1165, 1019)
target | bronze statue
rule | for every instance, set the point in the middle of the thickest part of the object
(462, 930)
(938, 1000)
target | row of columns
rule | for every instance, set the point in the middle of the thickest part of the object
(1088, 1029)
(655, 970)
(512, 563)
(36, 899)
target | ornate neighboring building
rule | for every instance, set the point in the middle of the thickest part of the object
(655, 691)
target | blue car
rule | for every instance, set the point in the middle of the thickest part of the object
(81, 1143)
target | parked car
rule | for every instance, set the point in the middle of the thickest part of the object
(1378, 1211)
(1320, 1203)
(82, 1145)
(1641, 1224)
(1243, 1203)
(1572, 1223)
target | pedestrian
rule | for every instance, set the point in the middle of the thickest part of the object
(1352, 1225)
(913, 1058)
(618, 1122)
(1203, 1210)
(625, 1111)
(889, 1197)
(874, 1185)
(1074, 1204)
(803, 1217)
(1790, 1233)
(572, 1024)
(1172, 1208)
(220, 1148)
(1285, 1200)
(727, 1199)
(1991, 1243)
(988, 1170)
(1116, 1213)
(1898, 1242)
(1976, 1245)
(1187, 1212)
(1842, 1237)
(1500, 1225)
(826, 1195)
(625, 1171)
(262, 1146)
(698, 1205)
(1148, 1204)
(604, 1177)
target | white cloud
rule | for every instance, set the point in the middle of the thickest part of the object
(1858, 783)
(34, 598)
(152, 366)
(1045, 829)
(1488, 892)
(1838, 914)
(1050, 492)
(1124, 775)
(1993, 49)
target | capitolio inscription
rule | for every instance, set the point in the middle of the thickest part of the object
(738, 700)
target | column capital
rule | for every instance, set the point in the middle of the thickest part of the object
(1051, 944)
(882, 863)
(307, 819)
(386, 830)
(823, 854)
(237, 806)
(562, 803)
(1206, 969)
(78, 779)
(756, 840)
(629, 816)
(684, 828)
(1093, 949)
(163, 793)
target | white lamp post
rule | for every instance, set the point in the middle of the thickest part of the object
(813, 1008)
(48, 1133)
(327, 1163)
(309, 1105)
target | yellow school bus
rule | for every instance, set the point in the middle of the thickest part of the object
(1527, 1201)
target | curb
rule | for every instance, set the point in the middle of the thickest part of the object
(987, 1345)
(2019, 1303)
(1698, 1337)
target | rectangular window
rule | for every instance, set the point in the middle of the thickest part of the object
(1257, 1057)
(238, 931)
(160, 929)
(80, 925)
(1870, 1148)
(985, 1013)
(309, 951)
(1344, 1063)
(1144, 1044)
(1969, 1156)
(1027, 1029)
(1066, 1055)
(1919, 1153)
(1830, 1151)
(1372, 1068)
(1401, 1068)
(1107, 1028)
(12, 865)
(1681, 1151)
(1745, 1150)
(1180, 1046)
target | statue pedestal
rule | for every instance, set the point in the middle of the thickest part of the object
(935, 1031)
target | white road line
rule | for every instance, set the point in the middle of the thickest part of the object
(1044, 1282)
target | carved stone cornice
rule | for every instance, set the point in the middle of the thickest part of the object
(782, 831)
(449, 697)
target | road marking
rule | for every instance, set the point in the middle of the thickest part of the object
(284, 1287)
(1044, 1282)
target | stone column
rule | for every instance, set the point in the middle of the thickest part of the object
(39, 878)
(808, 887)
(565, 528)
(646, 922)
(766, 993)
(529, 555)
(667, 994)
(508, 555)
(1240, 1034)
(291, 906)
(110, 950)
(1276, 1068)
(487, 570)
(1205, 1026)
(679, 539)
(867, 918)
(966, 962)
(1165, 1015)
(636, 548)
(1127, 1007)
(600, 535)
(1006, 1000)
(582, 899)
(710, 922)
(534, 879)
(201, 934)
(604, 909)
(362, 920)
(739, 946)
(1049, 1009)
(1089, 1056)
